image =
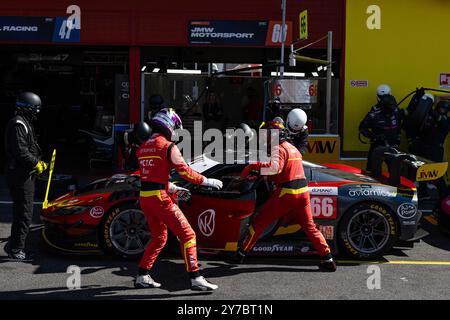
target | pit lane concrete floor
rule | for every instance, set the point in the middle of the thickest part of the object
(418, 273)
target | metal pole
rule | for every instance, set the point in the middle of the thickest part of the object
(142, 117)
(283, 34)
(329, 72)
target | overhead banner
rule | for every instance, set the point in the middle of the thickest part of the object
(37, 29)
(238, 33)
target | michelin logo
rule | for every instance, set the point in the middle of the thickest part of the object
(208, 32)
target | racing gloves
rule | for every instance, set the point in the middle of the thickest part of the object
(40, 167)
(181, 193)
(214, 183)
(248, 169)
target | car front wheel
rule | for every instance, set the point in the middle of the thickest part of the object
(124, 232)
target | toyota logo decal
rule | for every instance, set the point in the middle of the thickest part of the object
(207, 222)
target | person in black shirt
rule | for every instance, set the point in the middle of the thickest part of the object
(382, 125)
(23, 162)
(430, 141)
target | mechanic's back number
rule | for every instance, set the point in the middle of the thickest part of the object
(324, 207)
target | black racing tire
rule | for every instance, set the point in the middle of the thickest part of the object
(414, 122)
(124, 231)
(368, 230)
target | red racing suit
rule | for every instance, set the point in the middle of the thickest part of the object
(290, 196)
(157, 156)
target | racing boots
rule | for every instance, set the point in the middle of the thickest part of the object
(143, 280)
(146, 281)
(201, 284)
(238, 257)
(19, 255)
(327, 264)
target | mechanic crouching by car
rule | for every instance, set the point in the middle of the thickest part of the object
(382, 125)
(23, 163)
(157, 156)
(291, 195)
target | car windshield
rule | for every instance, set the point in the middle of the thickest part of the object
(327, 174)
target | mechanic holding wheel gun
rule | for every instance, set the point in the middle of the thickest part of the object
(23, 163)
(382, 125)
(291, 195)
(157, 156)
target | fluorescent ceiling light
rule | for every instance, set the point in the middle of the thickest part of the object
(155, 70)
(143, 68)
(315, 74)
(184, 71)
(291, 74)
(320, 68)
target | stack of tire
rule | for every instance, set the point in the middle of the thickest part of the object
(418, 109)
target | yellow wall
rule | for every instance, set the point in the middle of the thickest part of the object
(411, 50)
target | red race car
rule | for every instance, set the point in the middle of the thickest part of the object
(360, 216)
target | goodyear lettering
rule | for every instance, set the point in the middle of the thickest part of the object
(273, 248)
(86, 245)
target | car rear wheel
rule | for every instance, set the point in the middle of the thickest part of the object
(124, 232)
(367, 231)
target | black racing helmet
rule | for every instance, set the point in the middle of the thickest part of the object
(156, 101)
(442, 105)
(28, 104)
(388, 102)
(141, 132)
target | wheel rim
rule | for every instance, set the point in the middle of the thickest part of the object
(129, 233)
(368, 231)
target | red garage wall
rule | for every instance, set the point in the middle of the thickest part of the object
(164, 23)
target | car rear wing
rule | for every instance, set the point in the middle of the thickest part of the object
(407, 165)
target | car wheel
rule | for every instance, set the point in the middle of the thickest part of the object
(124, 232)
(367, 231)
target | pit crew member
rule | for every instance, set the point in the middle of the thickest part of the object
(157, 156)
(291, 194)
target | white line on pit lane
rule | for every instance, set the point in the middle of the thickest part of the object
(10, 202)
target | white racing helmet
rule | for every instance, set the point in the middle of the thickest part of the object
(382, 90)
(296, 120)
(166, 121)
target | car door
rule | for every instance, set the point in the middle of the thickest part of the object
(217, 216)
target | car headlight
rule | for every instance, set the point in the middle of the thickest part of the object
(69, 211)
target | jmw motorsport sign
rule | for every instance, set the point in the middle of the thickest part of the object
(238, 33)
